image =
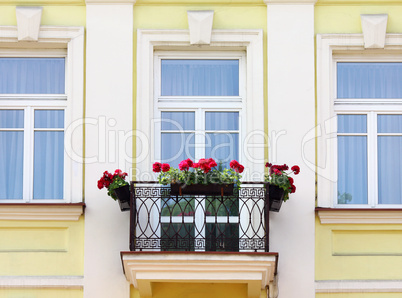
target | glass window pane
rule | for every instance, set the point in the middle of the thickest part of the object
(369, 80)
(178, 120)
(389, 123)
(11, 164)
(389, 170)
(49, 118)
(352, 170)
(200, 77)
(177, 146)
(223, 147)
(352, 123)
(222, 237)
(32, 75)
(11, 118)
(48, 165)
(222, 120)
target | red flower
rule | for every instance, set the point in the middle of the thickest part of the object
(276, 171)
(292, 189)
(240, 169)
(165, 167)
(268, 165)
(296, 169)
(290, 180)
(183, 165)
(234, 164)
(157, 167)
(196, 165)
(189, 162)
(100, 183)
(206, 168)
(212, 164)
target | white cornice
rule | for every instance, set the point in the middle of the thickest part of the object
(257, 270)
(290, 2)
(26, 211)
(110, 2)
(359, 216)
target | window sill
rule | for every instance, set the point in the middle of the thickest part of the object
(41, 211)
(257, 270)
(359, 216)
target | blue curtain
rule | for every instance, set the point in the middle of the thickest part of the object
(11, 154)
(32, 75)
(369, 80)
(201, 77)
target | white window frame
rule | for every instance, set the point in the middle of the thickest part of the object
(65, 42)
(199, 104)
(333, 48)
(248, 41)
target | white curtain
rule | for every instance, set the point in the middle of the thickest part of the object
(48, 155)
(32, 75)
(200, 77)
(352, 160)
(389, 159)
(369, 80)
(11, 154)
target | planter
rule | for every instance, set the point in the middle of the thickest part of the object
(123, 197)
(178, 189)
(275, 197)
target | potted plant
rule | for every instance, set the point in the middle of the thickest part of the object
(117, 188)
(280, 184)
(200, 178)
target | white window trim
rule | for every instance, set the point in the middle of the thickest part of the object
(58, 39)
(149, 41)
(330, 49)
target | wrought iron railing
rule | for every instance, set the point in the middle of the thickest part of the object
(166, 222)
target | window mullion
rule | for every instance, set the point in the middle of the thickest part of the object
(200, 141)
(372, 159)
(28, 153)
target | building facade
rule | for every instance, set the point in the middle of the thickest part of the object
(96, 85)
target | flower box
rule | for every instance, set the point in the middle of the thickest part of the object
(123, 197)
(276, 195)
(178, 189)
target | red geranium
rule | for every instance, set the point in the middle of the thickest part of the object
(157, 167)
(296, 169)
(165, 167)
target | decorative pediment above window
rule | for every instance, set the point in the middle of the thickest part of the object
(257, 270)
(374, 30)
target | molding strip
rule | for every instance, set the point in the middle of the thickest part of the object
(32, 211)
(71, 282)
(358, 286)
(359, 216)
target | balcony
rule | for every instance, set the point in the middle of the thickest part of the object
(199, 238)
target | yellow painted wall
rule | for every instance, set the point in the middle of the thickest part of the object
(51, 15)
(358, 252)
(41, 248)
(40, 293)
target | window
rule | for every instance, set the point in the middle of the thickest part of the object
(41, 94)
(369, 141)
(32, 128)
(199, 103)
(359, 112)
